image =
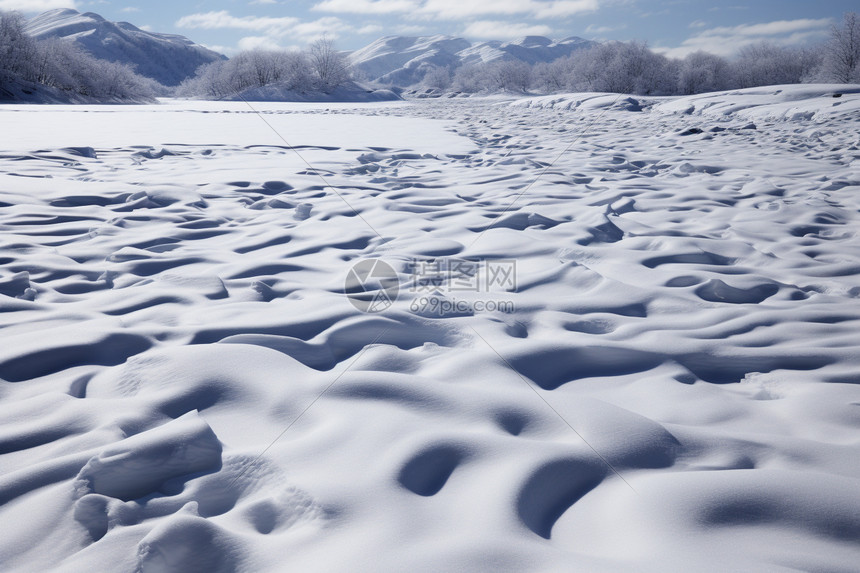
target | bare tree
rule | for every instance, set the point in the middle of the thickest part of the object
(766, 64)
(511, 76)
(555, 76)
(437, 77)
(328, 65)
(248, 70)
(703, 72)
(18, 53)
(63, 67)
(843, 57)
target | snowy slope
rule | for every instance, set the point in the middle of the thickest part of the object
(530, 49)
(403, 61)
(186, 383)
(399, 60)
(166, 58)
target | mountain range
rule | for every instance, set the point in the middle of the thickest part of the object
(391, 60)
(166, 58)
(403, 61)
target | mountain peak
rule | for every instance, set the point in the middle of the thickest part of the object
(93, 16)
(166, 58)
(404, 60)
(532, 41)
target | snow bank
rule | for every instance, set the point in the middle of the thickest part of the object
(789, 102)
(351, 92)
(770, 103)
(586, 102)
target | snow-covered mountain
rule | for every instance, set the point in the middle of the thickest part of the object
(403, 61)
(166, 58)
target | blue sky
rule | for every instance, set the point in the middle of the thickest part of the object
(676, 27)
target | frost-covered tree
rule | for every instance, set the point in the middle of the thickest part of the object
(320, 68)
(767, 64)
(329, 66)
(18, 52)
(842, 62)
(702, 72)
(247, 70)
(291, 69)
(509, 76)
(493, 77)
(623, 67)
(469, 79)
(437, 77)
(554, 77)
(63, 66)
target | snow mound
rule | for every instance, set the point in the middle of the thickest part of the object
(772, 103)
(349, 93)
(789, 103)
(138, 465)
(585, 102)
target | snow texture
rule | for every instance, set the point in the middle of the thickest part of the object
(185, 385)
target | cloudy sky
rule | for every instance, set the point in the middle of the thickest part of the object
(676, 27)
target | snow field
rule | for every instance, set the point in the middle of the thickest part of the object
(184, 384)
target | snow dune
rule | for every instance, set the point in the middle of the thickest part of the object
(185, 385)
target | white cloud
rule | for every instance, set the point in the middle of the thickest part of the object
(494, 29)
(410, 30)
(458, 9)
(368, 6)
(592, 29)
(223, 19)
(130, 9)
(268, 30)
(226, 50)
(255, 2)
(563, 8)
(258, 42)
(698, 24)
(370, 29)
(35, 5)
(329, 26)
(727, 40)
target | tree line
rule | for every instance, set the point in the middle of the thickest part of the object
(621, 67)
(631, 67)
(320, 68)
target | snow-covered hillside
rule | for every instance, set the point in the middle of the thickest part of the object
(403, 61)
(615, 335)
(166, 58)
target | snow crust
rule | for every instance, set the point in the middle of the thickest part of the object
(185, 385)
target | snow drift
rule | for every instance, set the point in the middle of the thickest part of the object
(186, 384)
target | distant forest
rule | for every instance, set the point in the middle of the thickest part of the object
(622, 67)
(631, 67)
